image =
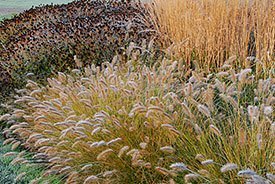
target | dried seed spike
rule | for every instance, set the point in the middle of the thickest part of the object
(8, 141)
(143, 145)
(243, 74)
(197, 129)
(107, 174)
(9, 154)
(113, 141)
(87, 167)
(122, 151)
(96, 130)
(229, 167)
(187, 111)
(242, 137)
(17, 161)
(259, 140)
(103, 155)
(65, 169)
(179, 166)
(15, 145)
(215, 130)
(230, 60)
(132, 151)
(91, 179)
(200, 157)
(190, 177)
(167, 149)
(5, 117)
(271, 177)
(207, 162)
(19, 177)
(203, 109)
(163, 171)
(268, 110)
(246, 173)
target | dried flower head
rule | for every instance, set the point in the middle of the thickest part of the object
(229, 167)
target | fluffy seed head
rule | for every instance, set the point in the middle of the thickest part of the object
(91, 179)
(179, 166)
(229, 167)
(246, 173)
(167, 149)
(203, 109)
(190, 177)
(207, 162)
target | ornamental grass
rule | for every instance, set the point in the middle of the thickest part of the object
(129, 123)
(210, 31)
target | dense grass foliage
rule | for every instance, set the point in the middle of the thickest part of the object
(13, 172)
(210, 31)
(203, 112)
(128, 124)
(51, 38)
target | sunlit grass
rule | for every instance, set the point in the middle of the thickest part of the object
(142, 125)
(207, 117)
(210, 31)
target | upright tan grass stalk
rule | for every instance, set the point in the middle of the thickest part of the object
(210, 31)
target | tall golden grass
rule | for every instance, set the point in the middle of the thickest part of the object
(210, 31)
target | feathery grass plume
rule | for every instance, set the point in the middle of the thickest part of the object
(20, 177)
(204, 110)
(204, 173)
(163, 171)
(65, 169)
(8, 141)
(271, 177)
(253, 112)
(91, 179)
(207, 162)
(229, 167)
(268, 110)
(108, 174)
(242, 137)
(190, 177)
(243, 74)
(17, 161)
(257, 179)
(198, 129)
(9, 154)
(179, 166)
(15, 145)
(167, 149)
(215, 130)
(246, 173)
(5, 117)
(259, 140)
(143, 145)
(200, 157)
